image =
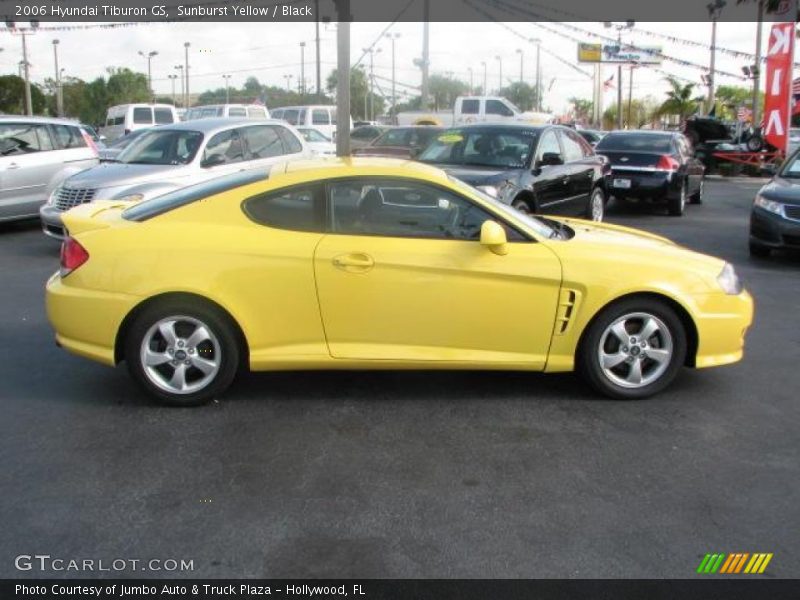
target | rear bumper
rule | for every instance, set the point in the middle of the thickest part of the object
(657, 185)
(86, 322)
(51, 221)
(773, 231)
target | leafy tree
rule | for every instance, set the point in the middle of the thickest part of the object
(125, 86)
(12, 96)
(443, 91)
(582, 108)
(359, 93)
(679, 100)
(730, 97)
(521, 94)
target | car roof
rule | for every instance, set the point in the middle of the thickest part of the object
(644, 132)
(217, 124)
(507, 126)
(44, 120)
(336, 166)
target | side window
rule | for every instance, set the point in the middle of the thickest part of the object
(290, 116)
(227, 145)
(68, 137)
(572, 148)
(163, 116)
(109, 121)
(396, 208)
(277, 114)
(119, 120)
(495, 107)
(548, 145)
(320, 116)
(470, 107)
(291, 145)
(255, 112)
(22, 138)
(297, 209)
(143, 115)
(237, 111)
(262, 142)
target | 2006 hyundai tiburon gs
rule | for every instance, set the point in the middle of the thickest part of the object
(380, 264)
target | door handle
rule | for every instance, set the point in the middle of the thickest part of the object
(355, 262)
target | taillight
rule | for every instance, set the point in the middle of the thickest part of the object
(90, 142)
(667, 163)
(73, 255)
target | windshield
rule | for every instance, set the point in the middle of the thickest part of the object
(534, 223)
(165, 147)
(312, 135)
(791, 168)
(483, 147)
(633, 142)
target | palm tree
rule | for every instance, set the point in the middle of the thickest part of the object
(679, 100)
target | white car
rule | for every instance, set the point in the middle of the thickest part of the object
(320, 144)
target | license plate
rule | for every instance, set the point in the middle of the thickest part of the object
(622, 183)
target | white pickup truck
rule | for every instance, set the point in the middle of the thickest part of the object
(473, 109)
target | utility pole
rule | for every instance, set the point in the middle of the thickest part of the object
(172, 77)
(521, 58)
(183, 85)
(227, 79)
(149, 57)
(372, 52)
(186, 70)
(302, 70)
(316, 41)
(483, 91)
(393, 38)
(59, 89)
(630, 95)
(757, 70)
(619, 27)
(425, 53)
(537, 42)
(28, 101)
(714, 10)
(288, 78)
(470, 80)
(343, 78)
(500, 60)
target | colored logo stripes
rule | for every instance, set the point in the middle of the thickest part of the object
(739, 562)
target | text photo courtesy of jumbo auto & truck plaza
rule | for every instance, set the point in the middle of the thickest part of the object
(474, 299)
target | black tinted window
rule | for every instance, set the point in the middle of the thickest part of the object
(163, 116)
(635, 142)
(396, 208)
(470, 107)
(495, 107)
(297, 209)
(320, 116)
(143, 116)
(482, 146)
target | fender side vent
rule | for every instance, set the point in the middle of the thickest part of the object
(567, 305)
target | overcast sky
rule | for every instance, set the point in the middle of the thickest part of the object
(271, 51)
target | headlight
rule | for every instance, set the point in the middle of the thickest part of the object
(51, 199)
(729, 281)
(770, 205)
(130, 198)
(489, 190)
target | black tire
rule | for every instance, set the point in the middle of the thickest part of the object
(588, 359)
(759, 251)
(524, 206)
(697, 197)
(221, 348)
(596, 209)
(677, 204)
(754, 143)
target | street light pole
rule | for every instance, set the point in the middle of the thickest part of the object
(302, 70)
(537, 42)
(227, 79)
(485, 93)
(149, 56)
(393, 38)
(316, 40)
(186, 70)
(500, 60)
(172, 77)
(521, 58)
(183, 85)
(59, 92)
(26, 66)
(714, 10)
(630, 95)
(619, 27)
(288, 78)
(470, 80)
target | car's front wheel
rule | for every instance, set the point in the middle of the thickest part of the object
(183, 353)
(633, 349)
(597, 205)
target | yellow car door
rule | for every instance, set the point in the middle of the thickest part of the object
(403, 277)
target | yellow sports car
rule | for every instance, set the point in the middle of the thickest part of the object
(380, 264)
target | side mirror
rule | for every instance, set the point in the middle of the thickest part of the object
(102, 138)
(212, 161)
(550, 159)
(493, 236)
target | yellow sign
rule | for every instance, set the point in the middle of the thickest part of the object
(590, 52)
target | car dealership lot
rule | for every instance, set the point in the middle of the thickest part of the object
(408, 474)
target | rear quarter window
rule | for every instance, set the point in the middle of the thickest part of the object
(296, 209)
(143, 116)
(163, 116)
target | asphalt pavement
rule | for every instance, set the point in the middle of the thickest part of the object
(407, 474)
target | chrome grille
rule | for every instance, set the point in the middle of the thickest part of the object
(792, 211)
(66, 198)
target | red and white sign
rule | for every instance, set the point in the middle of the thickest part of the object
(778, 98)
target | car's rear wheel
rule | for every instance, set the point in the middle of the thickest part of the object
(597, 205)
(677, 204)
(183, 353)
(759, 251)
(697, 197)
(633, 349)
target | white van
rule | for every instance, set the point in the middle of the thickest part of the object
(319, 117)
(213, 111)
(125, 118)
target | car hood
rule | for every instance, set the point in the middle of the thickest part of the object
(627, 245)
(782, 190)
(118, 174)
(478, 175)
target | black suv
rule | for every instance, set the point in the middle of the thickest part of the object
(544, 169)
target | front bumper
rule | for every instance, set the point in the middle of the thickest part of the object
(773, 231)
(86, 322)
(51, 221)
(722, 322)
